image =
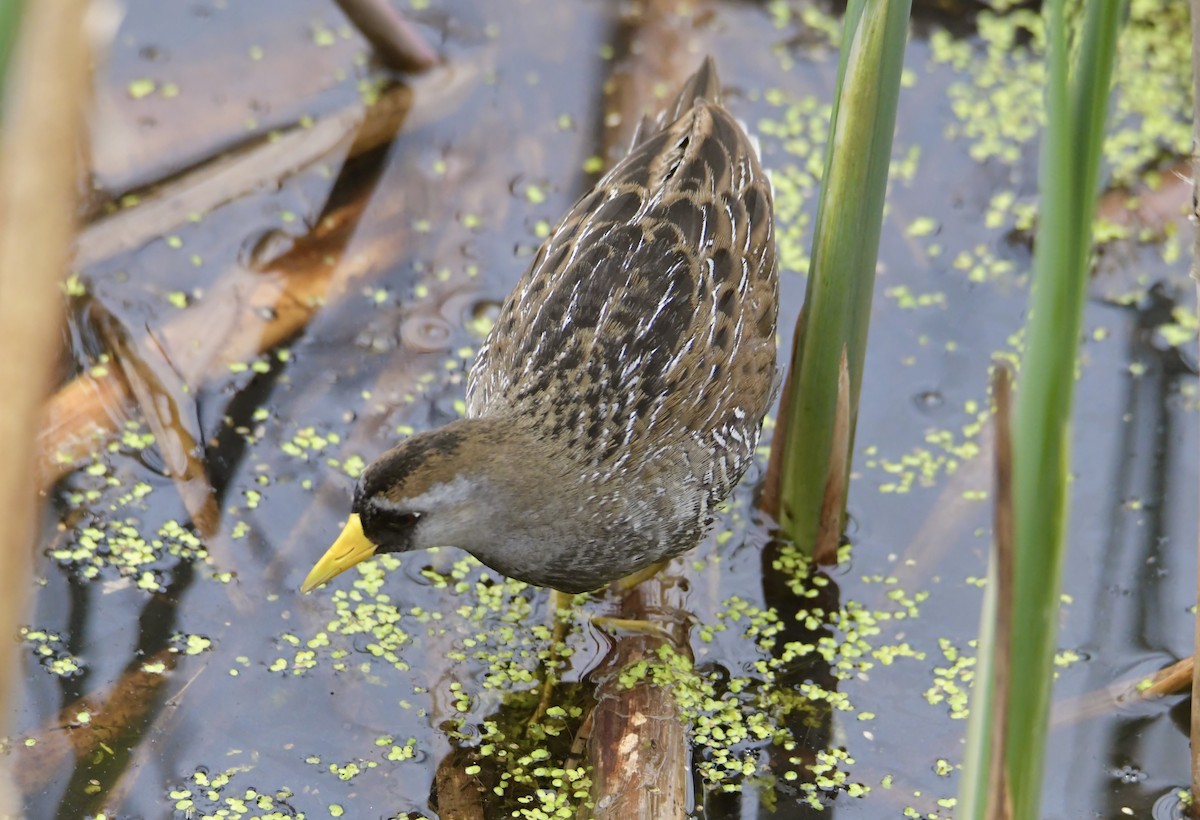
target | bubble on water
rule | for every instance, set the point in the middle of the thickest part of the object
(929, 400)
(1129, 774)
(426, 334)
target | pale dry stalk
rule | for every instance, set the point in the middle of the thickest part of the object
(47, 82)
(1195, 720)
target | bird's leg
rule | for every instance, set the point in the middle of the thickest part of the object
(623, 585)
(560, 612)
(636, 626)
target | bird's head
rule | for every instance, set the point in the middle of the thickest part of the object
(430, 490)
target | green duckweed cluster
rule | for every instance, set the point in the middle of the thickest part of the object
(112, 532)
(209, 796)
(51, 652)
(799, 132)
(998, 102)
(738, 722)
(944, 452)
(952, 681)
(499, 650)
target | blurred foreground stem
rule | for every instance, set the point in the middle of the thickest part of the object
(1195, 719)
(42, 127)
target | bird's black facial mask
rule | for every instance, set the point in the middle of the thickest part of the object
(383, 497)
(387, 526)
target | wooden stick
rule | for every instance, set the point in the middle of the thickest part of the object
(43, 122)
(393, 38)
(1170, 680)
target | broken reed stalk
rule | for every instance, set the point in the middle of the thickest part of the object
(170, 414)
(837, 300)
(638, 746)
(638, 741)
(47, 85)
(1195, 718)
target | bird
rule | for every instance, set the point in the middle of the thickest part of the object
(620, 393)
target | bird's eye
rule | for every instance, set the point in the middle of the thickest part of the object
(394, 529)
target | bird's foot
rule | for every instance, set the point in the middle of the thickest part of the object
(635, 626)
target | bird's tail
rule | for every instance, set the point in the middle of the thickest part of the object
(703, 84)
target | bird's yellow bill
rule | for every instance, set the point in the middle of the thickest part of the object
(350, 548)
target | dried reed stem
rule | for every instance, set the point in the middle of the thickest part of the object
(999, 798)
(1195, 720)
(47, 82)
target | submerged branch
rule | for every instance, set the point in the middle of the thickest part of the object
(91, 723)
(170, 412)
(1175, 679)
(348, 133)
(459, 795)
(1171, 680)
(244, 314)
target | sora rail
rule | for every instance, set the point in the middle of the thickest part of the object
(620, 394)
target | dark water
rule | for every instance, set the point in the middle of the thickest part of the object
(212, 684)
